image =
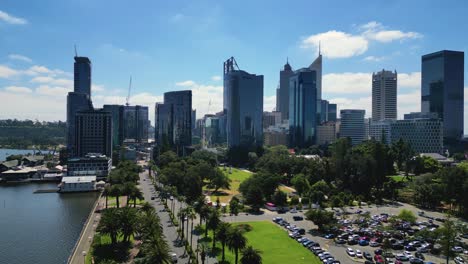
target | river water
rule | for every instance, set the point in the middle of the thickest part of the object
(7, 152)
(40, 228)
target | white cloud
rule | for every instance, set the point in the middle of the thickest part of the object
(55, 91)
(410, 80)
(12, 19)
(374, 58)
(375, 31)
(7, 72)
(188, 83)
(216, 78)
(20, 58)
(347, 82)
(97, 88)
(269, 103)
(353, 103)
(65, 83)
(18, 89)
(337, 44)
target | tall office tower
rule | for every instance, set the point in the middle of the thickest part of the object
(442, 89)
(317, 67)
(332, 112)
(181, 108)
(324, 104)
(384, 95)
(135, 123)
(116, 114)
(93, 132)
(82, 71)
(194, 118)
(75, 102)
(163, 125)
(425, 135)
(302, 108)
(352, 125)
(326, 133)
(243, 105)
(381, 130)
(271, 118)
(282, 93)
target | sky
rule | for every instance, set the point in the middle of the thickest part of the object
(180, 45)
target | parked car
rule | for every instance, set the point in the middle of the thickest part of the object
(358, 253)
(419, 255)
(416, 261)
(363, 242)
(459, 260)
(329, 236)
(401, 257)
(277, 219)
(340, 241)
(374, 244)
(457, 249)
(378, 251)
(367, 255)
(298, 218)
(173, 257)
(350, 252)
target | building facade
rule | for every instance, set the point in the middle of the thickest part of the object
(116, 112)
(303, 108)
(442, 89)
(75, 102)
(82, 75)
(384, 95)
(90, 165)
(134, 123)
(331, 112)
(275, 136)
(282, 94)
(352, 125)
(243, 105)
(381, 131)
(271, 118)
(326, 133)
(93, 129)
(423, 135)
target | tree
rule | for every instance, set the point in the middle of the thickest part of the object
(135, 194)
(128, 222)
(402, 153)
(234, 206)
(251, 255)
(156, 250)
(236, 241)
(320, 217)
(116, 191)
(448, 235)
(222, 236)
(301, 184)
(107, 192)
(280, 198)
(254, 197)
(191, 216)
(219, 180)
(213, 223)
(407, 215)
(109, 224)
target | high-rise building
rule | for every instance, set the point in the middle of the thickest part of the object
(243, 105)
(82, 72)
(384, 95)
(282, 94)
(181, 107)
(116, 112)
(75, 102)
(194, 118)
(317, 67)
(303, 108)
(416, 115)
(326, 133)
(276, 135)
(424, 135)
(381, 130)
(331, 112)
(163, 124)
(135, 123)
(352, 125)
(271, 118)
(324, 104)
(93, 129)
(442, 89)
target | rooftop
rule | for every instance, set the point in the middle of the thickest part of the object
(78, 179)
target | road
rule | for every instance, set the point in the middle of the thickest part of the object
(170, 231)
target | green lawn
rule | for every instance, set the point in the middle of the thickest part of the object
(237, 177)
(123, 199)
(275, 245)
(398, 178)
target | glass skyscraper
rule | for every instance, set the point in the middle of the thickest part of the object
(243, 105)
(303, 108)
(331, 112)
(93, 130)
(82, 72)
(116, 114)
(353, 125)
(135, 123)
(442, 89)
(282, 94)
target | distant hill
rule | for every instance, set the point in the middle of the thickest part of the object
(27, 133)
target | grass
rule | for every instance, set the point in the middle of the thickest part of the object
(274, 243)
(398, 178)
(237, 177)
(123, 199)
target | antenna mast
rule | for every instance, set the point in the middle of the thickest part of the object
(76, 53)
(129, 89)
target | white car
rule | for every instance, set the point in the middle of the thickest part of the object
(358, 253)
(173, 257)
(457, 249)
(350, 252)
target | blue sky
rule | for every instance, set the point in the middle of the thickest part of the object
(173, 45)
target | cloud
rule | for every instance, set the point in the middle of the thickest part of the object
(375, 31)
(177, 18)
(41, 70)
(216, 78)
(337, 44)
(67, 83)
(347, 82)
(18, 89)
(374, 58)
(20, 58)
(269, 103)
(55, 91)
(97, 88)
(5, 17)
(7, 72)
(188, 83)
(410, 80)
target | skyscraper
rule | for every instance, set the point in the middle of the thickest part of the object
(82, 72)
(352, 125)
(384, 95)
(282, 94)
(163, 125)
(243, 104)
(303, 108)
(93, 130)
(116, 114)
(442, 89)
(135, 123)
(324, 104)
(331, 112)
(317, 67)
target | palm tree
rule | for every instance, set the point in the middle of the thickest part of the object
(222, 235)
(127, 190)
(236, 241)
(213, 223)
(116, 190)
(251, 255)
(136, 194)
(128, 222)
(109, 224)
(205, 211)
(181, 215)
(146, 207)
(191, 215)
(156, 250)
(107, 192)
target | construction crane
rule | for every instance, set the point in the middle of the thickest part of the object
(129, 89)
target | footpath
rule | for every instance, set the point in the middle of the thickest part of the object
(83, 245)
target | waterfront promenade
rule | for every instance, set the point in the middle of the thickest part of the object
(83, 245)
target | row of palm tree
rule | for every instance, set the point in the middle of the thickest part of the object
(122, 182)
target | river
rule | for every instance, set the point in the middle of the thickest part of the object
(7, 152)
(40, 228)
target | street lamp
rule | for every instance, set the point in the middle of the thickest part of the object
(84, 257)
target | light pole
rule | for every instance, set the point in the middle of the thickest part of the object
(84, 257)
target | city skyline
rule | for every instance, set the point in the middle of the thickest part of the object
(32, 75)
